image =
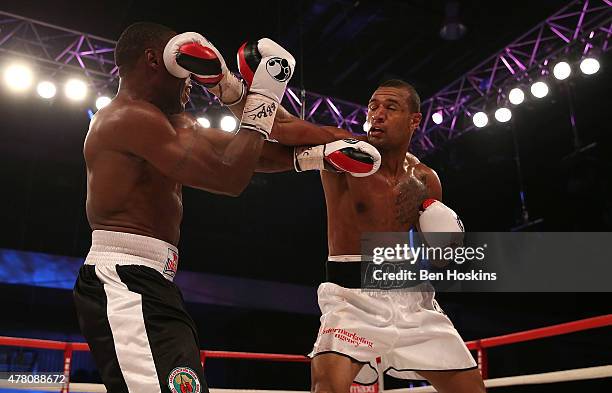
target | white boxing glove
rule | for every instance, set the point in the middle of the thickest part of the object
(266, 68)
(358, 158)
(437, 217)
(191, 53)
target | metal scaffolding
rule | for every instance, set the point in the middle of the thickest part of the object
(581, 27)
(60, 52)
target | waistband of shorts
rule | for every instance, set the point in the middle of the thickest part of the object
(121, 248)
(345, 258)
(344, 270)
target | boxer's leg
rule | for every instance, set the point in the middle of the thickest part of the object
(91, 307)
(333, 373)
(141, 337)
(466, 381)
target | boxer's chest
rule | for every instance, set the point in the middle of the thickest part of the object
(389, 204)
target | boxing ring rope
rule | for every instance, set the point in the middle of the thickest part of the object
(480, 346)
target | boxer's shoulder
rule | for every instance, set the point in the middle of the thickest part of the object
(125, 125)
(130, 120)
(430, 179)
(135, 112)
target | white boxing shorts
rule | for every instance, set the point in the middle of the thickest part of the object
(407, 329)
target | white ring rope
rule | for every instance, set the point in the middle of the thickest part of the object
(577, 374)
(530, 379)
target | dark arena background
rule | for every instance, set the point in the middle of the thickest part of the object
(250, 265)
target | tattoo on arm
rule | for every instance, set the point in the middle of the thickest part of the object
(411, 194)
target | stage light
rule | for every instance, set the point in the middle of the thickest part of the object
(18, 77)
(204, 122)
(102, 101)
(75, 89)
(516, 96)
(562, 70)
(502, 115)
(480, 119)
(46, 89)
(539, 89)
(589, 66)
(366, 126)
(437, 117)
(228, 123)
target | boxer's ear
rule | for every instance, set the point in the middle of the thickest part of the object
(152, 58)
(416, 119)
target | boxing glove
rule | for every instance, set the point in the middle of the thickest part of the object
(435, 217)
(191, 53)
(358, 158)
(266, 68)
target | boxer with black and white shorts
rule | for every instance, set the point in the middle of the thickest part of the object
(133, 316)
(140, 151)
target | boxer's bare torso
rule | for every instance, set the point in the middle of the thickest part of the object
(125, 192)
(387, 201)
(383, 202)
(138, 158)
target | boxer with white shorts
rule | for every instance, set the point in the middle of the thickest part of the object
(408, 330)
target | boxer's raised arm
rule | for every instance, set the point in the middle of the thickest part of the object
(293, 131)
(182, 153)
(290, 130)
(274, 156)
(357, 158)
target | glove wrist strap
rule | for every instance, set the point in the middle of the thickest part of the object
(259, 112)
(308, 158)
(229, 90)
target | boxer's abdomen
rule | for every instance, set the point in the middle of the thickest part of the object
(127, 194)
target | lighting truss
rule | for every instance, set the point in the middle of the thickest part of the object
(582, 23)
(59, 51)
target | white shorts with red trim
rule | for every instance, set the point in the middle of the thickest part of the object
(407, 329)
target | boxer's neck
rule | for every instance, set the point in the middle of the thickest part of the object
(136, 88)
(392, 161)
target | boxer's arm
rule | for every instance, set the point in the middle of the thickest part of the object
(432, 182)
(274, 156)
(290, 130)
(182, 153)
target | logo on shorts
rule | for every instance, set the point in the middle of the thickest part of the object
(184, 380)
(279, 69)
(171, 263)
(346, 336)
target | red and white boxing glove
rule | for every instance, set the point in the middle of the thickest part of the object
(437, 217)
(266, 68)
(191, 53)
(358, 158)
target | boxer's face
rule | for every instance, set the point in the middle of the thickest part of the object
(391, 120)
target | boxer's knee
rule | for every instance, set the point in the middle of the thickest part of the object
(327, 385)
